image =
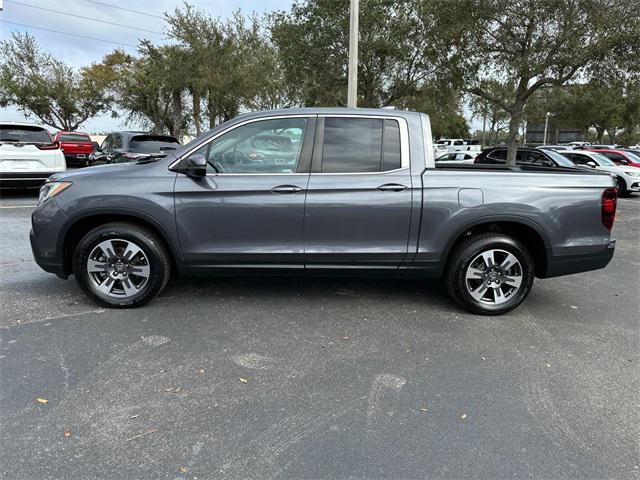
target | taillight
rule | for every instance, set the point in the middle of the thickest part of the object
(609, 203)
(49, 146)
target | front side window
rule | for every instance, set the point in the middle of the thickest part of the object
(266, 146)
(360, 145)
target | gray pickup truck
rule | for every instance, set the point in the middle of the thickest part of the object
(322, 191)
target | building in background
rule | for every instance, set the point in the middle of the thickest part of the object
(535, 134)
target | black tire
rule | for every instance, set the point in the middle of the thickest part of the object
(466, 252)
(152, 248)
(622, 187)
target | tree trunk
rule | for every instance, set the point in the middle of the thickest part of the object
(600, 132)
(195, 96)
(211, 110)
(514, 133)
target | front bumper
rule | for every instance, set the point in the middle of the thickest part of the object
(558, 265)
(47, 223)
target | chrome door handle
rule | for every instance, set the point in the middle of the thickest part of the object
(392, 187)
(286, 189)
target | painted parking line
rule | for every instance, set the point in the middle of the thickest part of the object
(19, 206)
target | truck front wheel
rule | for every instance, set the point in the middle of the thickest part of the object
(489, 273)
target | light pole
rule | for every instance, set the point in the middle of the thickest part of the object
(352, 82)
(546, 125)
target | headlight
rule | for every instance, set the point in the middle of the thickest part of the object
(633, 174)
(51, 189)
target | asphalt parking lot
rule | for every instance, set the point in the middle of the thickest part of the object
(318, 378)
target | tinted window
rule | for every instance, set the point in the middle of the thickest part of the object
(266, 146)
(358, 145)
(539, 159)
(153, 143)
(24, 134)
(75, 137)
(617, 158)
(391, 146)
(500, 154)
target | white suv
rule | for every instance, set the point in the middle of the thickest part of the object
(627, 178)
(28, 155)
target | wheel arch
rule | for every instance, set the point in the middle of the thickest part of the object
(81, 225)
(529, 233)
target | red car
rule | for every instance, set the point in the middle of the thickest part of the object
(619, 157)
(76, 147)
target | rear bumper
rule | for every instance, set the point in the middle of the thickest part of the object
(10, 180)
(558, 265)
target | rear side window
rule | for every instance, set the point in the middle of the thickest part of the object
(500, 154)
(360, 145)
(75, 137)
(153, 143)
(24, 134)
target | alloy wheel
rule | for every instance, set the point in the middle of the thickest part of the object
(118, 268)
(493, 277)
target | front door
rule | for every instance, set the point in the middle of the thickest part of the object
(248, 212)
(358, 208)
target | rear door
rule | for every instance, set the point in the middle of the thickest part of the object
(358, 207)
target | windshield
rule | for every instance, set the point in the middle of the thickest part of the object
(75, 137)
(633, 157)
(602, 160)
(560, 159)
(153, 143)
(23, 134)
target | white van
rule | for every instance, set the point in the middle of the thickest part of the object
(28, 155)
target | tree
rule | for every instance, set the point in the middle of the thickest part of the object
(44, 87)
(533, 44)
(231, 64)
(150, 87)
(397, 51)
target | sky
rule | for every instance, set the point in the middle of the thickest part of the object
(79, 51)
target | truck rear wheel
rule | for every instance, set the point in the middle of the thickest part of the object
(489, 273)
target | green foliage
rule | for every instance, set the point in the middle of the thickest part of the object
(534, 43)
(43, 87)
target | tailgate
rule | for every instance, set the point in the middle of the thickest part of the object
(27, 158)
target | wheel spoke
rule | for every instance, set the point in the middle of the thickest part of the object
(509, 262)
(131, 251)
(106, 286)
(498, 295)
(129, 287)
(474, 273)
(140, 270)
(513, 280)
(93, 266)
(489, 259)
(479, 292)
(108, 248)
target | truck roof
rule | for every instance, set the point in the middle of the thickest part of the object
(387, 112)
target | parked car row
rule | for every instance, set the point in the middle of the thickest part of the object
(29, 154)
(622, 163)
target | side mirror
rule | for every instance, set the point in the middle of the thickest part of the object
(195, 166)
(592, 164)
